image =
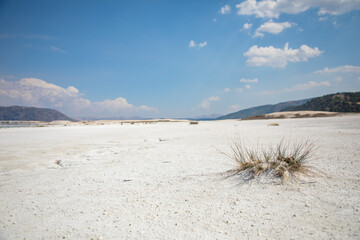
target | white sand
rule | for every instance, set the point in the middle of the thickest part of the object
(295, 114)
(160, 181)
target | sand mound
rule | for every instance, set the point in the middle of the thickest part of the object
(294, 114)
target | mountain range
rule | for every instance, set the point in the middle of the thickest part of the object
(338, 102)
(263, 109)
(18, 113)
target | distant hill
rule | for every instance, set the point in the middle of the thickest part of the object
(205, 117)
(338, 102)
(31, 114)
(264, 109)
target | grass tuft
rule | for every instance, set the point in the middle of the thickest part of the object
(286, 160)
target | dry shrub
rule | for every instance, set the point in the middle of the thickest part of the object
(287, 160)
(59, 162)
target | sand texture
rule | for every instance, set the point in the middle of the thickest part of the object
(298, 114)
(163, 181)
(301, 114)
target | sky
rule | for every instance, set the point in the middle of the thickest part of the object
(173, 59)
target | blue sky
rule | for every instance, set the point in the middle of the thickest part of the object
(175, 58)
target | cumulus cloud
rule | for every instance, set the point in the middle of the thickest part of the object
(244, 80)
(227, 90)
(340, 69)
(306, 86)
(272, 27)
(72, 90)
(277, 57)
(274, 8)
(225, 9)
(247, 26)
(207, 102)
(113, 105)
(39, 93)
(335, 7)
(247, 86)
(200, 45)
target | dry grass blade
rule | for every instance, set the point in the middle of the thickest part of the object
(285, 161)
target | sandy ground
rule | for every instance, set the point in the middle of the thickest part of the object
(162, 181)
(297, 114)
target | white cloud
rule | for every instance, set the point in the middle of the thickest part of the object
(113, 105)
(244, 80)
(200, 45)
(238, 90)
(247, 86)
(225, 9)
(340, 69)
(39, 93)
(235, 107)
(214, 20)
(247, 26)
(323, 18)
(207, 102)
(277, 57)
(72, 90)
(272, 27)
(216, 98)
(306, 86)
(274, 8)
(336, 7)
(227, 90)
(56, 49)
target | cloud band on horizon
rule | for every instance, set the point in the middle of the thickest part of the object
(39, 93)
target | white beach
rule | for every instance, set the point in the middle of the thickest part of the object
(163, 181)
